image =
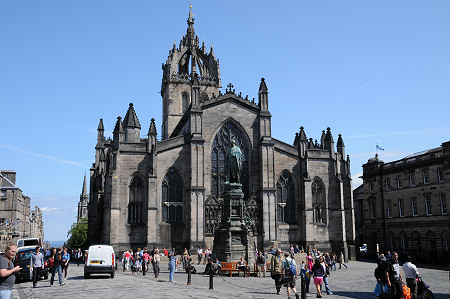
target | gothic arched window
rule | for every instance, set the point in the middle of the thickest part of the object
(136, 201)
(221, 144)
(286, 207)
(318, 201)
(185, 101)
(172, 197)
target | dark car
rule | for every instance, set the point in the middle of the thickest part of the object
(23, 258)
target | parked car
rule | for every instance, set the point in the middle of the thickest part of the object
(23, 258)
(100, 260)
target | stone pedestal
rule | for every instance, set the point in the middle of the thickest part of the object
(234, 238)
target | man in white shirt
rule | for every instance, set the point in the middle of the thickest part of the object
(410, 274)
(199, 255)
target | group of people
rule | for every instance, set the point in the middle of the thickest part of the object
(390, 280)
(317, 266)
(140, 260)
(57, 259)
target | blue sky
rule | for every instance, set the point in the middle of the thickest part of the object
(374, 71)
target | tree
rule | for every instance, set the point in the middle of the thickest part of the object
(78, 234)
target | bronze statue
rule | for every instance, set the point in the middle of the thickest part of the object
(234, 165)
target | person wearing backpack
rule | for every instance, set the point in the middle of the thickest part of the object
(289, 269)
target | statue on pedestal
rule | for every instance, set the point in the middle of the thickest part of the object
(234, 163)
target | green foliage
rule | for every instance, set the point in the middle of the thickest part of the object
(78, 234)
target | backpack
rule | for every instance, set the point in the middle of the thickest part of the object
(290, 270)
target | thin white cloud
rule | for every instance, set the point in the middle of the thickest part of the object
(84, 128)
(364, 85)
(49, 210)
(43, 156)
(381, 154)
(397, 133)
(356, 180)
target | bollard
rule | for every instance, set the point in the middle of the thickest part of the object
(303, 286)
(211, 275)
(189, 275)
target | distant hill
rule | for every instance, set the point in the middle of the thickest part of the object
(56, 243)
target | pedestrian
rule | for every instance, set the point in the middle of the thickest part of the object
(309, 260)
(325, 277)
(394, 278)
(172, 264)
(411, 274)
(199, 255)
(7, 270)
(65, 262)
(289, 269)
(36, 263)
(145, 260)
(166, 253)
(79, 256)
(261, 264)
(156, 259)
(342, 261)
(318, 274)
(333, 261)
(307, 275)
(57, 264)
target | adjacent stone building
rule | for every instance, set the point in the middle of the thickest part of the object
(403, 205)
(146, 192)
(17, 220)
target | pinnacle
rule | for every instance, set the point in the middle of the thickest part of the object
(131, 120)
(263, 86)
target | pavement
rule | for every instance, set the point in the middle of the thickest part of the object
(355, 282)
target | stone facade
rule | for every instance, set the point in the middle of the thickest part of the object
(17, 220)
(145, 192)
(402, 205)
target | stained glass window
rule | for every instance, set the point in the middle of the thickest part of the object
(286, 206)
(318, 198)
(136, 201)
(172, 197)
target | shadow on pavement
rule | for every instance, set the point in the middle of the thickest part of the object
(359, 295)
(81, 277)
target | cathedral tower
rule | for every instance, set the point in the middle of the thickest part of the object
(185, 63)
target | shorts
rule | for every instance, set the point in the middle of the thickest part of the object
(318, 280)
(289, 282)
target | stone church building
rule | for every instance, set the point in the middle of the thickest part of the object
(146, 192)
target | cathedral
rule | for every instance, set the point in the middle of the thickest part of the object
(168, 192)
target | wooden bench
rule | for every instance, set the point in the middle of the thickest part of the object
(231, 267)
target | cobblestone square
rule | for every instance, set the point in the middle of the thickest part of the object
(355, 282)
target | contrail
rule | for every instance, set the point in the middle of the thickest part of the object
(356, 90)
(42, 156)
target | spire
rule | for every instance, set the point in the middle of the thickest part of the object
(340, 141)
(190, 33)
(118, 128)
(302, 135)
(340, 146)
(131, 120)
(100, 133)
(84, 193)
(322, 139)
(263, 86)
(100, 125)
(152, 129)
(296, 140)
(329, 142)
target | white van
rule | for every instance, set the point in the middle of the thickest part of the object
(100, 260)
(29, 242)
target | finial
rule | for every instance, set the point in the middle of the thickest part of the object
(131, 104)
(190, 4)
